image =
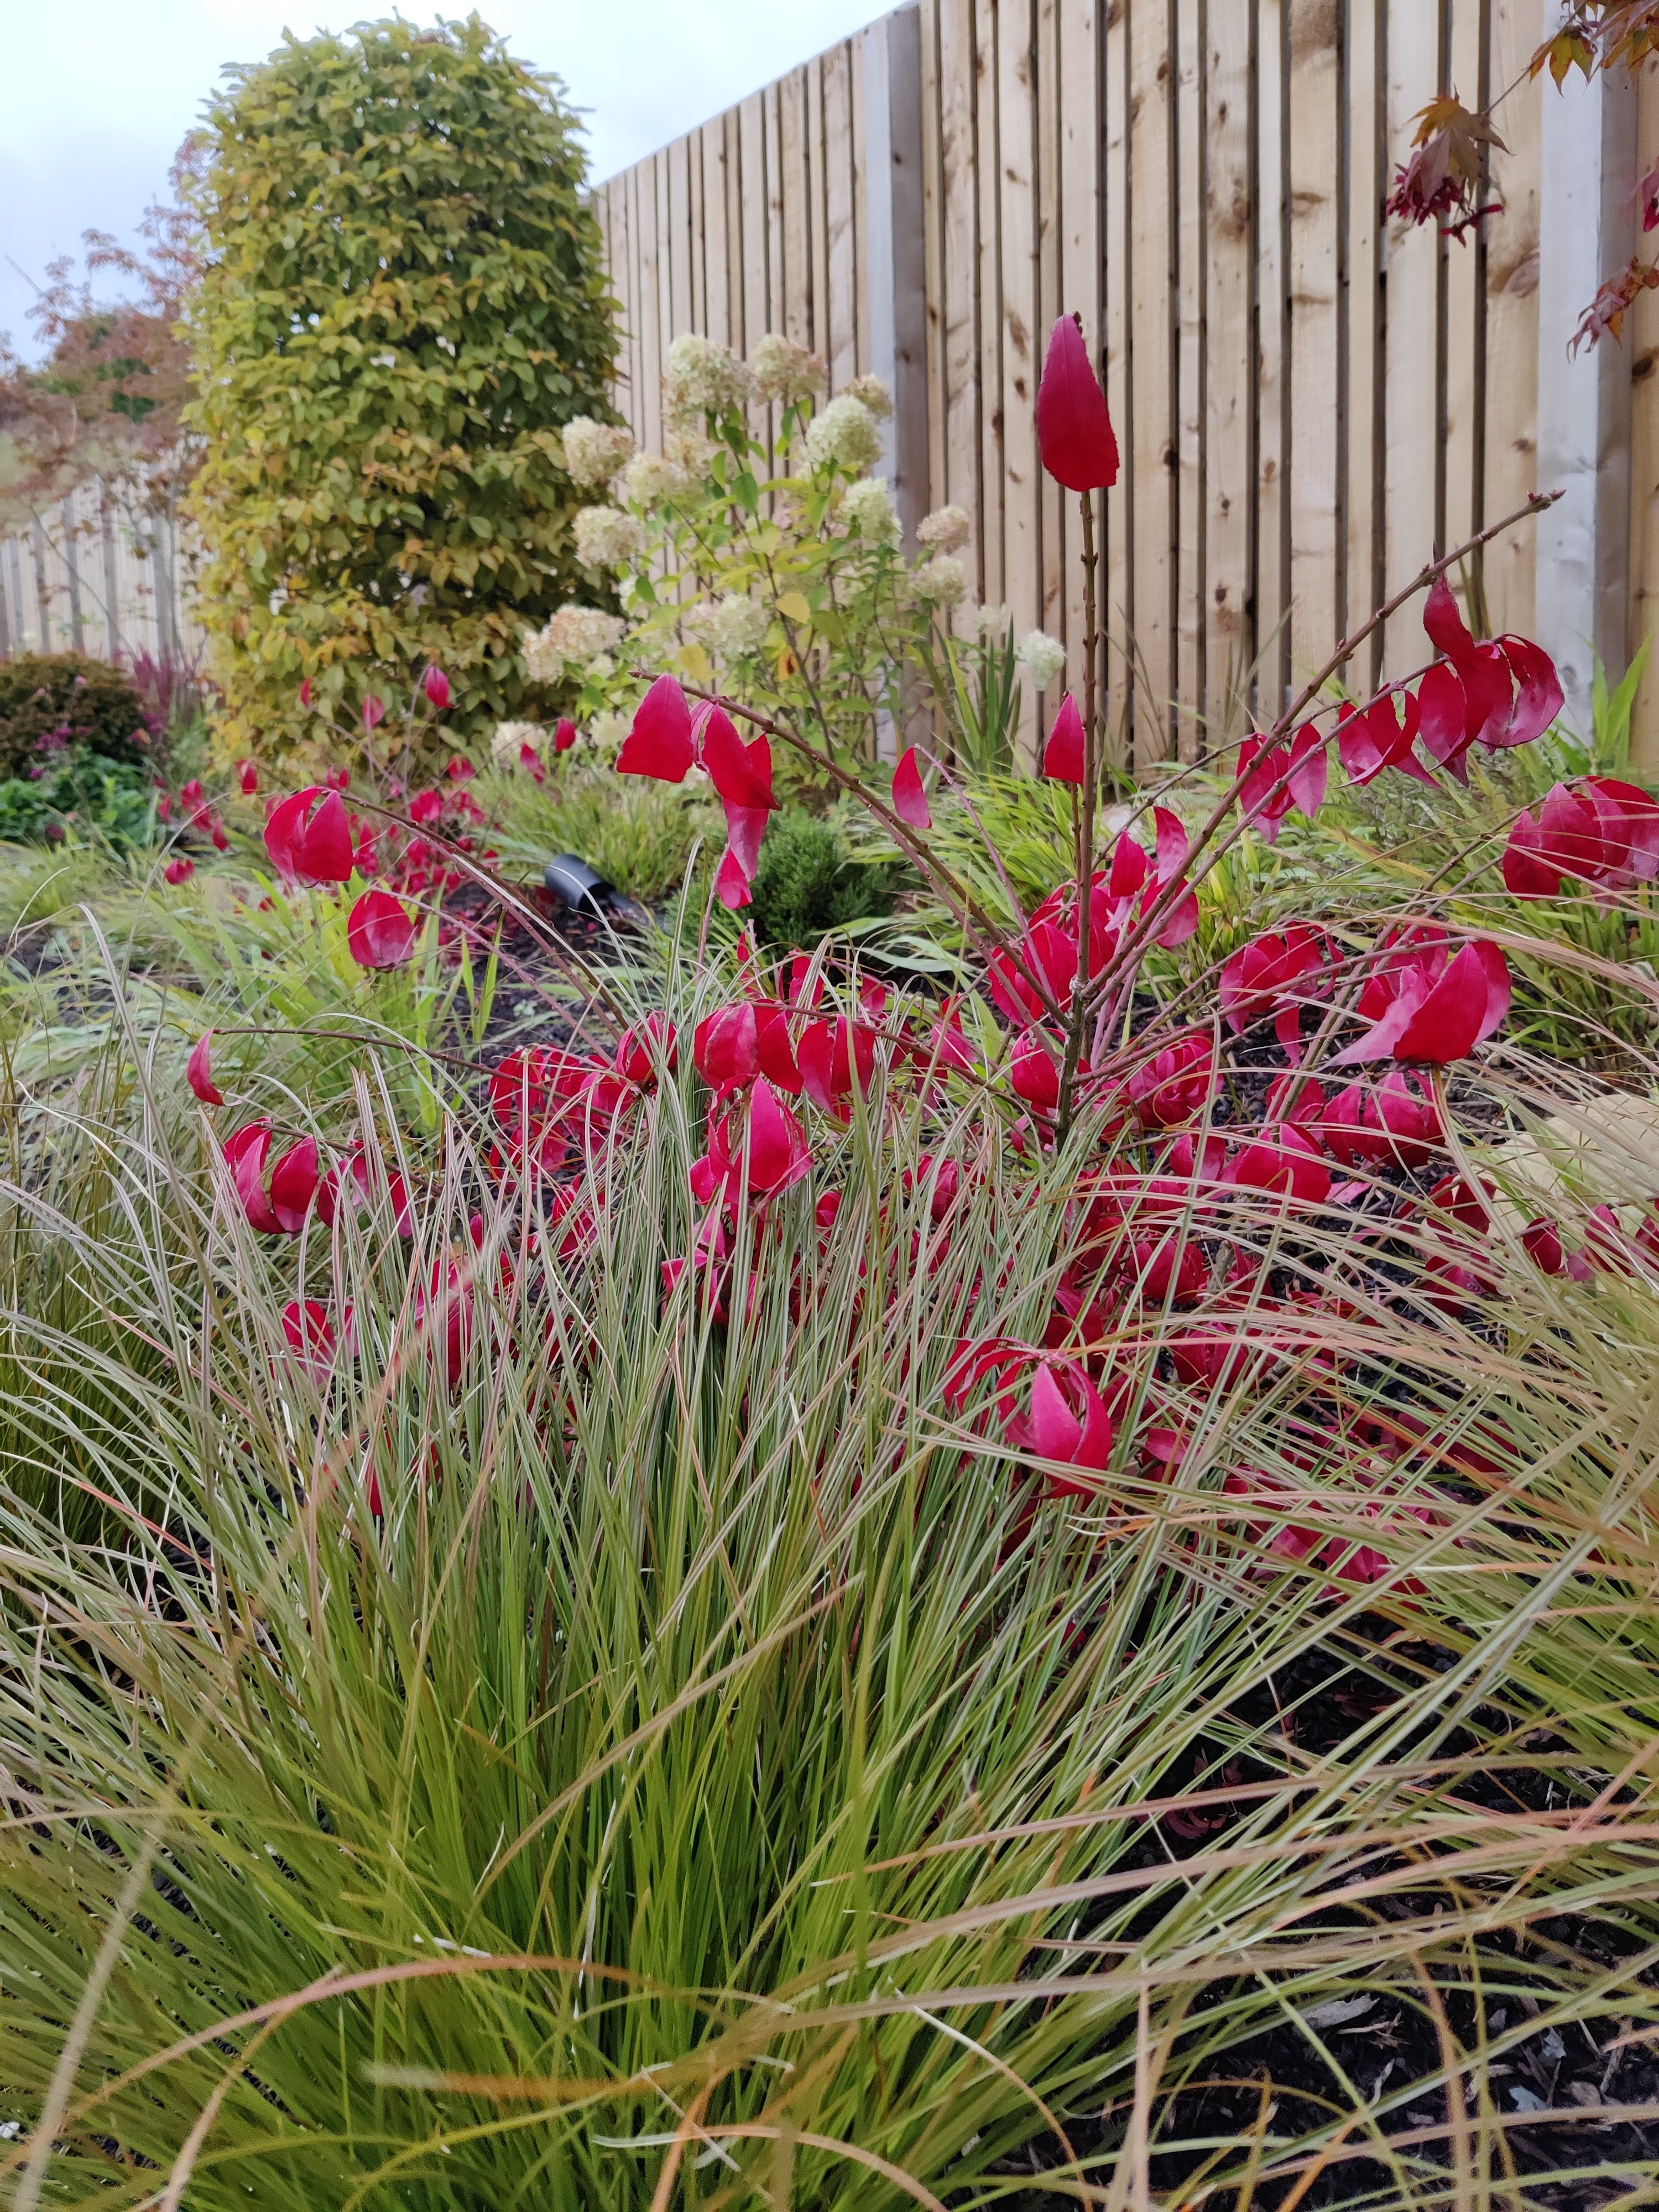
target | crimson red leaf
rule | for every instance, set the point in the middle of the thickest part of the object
(322, 851)
(1447, 631)
(199, 1073)
(1538, 699)
(910, 798)
(660, 744)
(1452, 1020)
(732, 884)
(1074, 430)
(380, 932)
(1063, 756)
(741, 773)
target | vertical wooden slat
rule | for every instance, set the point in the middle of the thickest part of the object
(1316, 548)
(1018, 177)
(682, 311)
(1053, 503)
(820, 207)
(858, 144)
(776, 273)
(757, 303)
(1153, 435)
(959, 253)
(734, 267)
(1115, 219)
(113, 607)
(1362, 575)
(841, 252)
(699, 234)
(1228, 408)
(666, 332)
(1642, 343)
(1461, 267)
(992, 366)
(614, 196)
(649, 352)
(716, 249)
(776, 254)
(1412, 400)
(1270, 629)
(1192, 202)
(1077, 78)
(1511, 395)
(794, 172)
(933, 221)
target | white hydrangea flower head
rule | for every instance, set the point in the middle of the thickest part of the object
(732, 627)
(846, 433)
(507, 746)
(869, 512)
(543, 657)
(1044, 657)
(606, 732)
(702, 378)
(573, 636)
(872, 392)
(595, 452)
(608, 537)
(946, 530)
(941, 581)
(652, 480)
(786, 372)
(993, 624)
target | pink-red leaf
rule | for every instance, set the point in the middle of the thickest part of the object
(199, 1073)
(1063, 755)
(910, 797)
(660, 744)
(1074, 430)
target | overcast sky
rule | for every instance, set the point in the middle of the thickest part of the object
(99, 93)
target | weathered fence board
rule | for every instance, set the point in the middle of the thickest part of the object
(1311, 397)
(97, 574)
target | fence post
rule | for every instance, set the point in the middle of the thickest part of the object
(20, 638)
(898, 267)
(1587, 234)
(69, 522)
(42, 589)
(112, 602)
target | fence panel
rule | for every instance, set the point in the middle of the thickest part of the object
(97, 574)
(1311, 397)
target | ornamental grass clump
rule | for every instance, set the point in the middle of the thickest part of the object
(731, 1601)
(805, 1588)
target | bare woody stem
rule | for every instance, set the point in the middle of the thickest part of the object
(1148, 923)
(980, 928)
(1086, 823)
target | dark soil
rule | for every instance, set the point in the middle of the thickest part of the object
(1558, 2091)
(551, 958)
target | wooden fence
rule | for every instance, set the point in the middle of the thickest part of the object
(1311, 398)
(99, 573)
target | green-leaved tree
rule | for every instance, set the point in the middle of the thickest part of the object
(405, 298)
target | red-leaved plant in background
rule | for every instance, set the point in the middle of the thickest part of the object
(1164, 1147)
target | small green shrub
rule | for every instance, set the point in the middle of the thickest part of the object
(108, 796)
(44, 694)
(808, 884)
(640, 836)
(405, 302)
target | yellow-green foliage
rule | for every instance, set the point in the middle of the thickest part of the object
(405, 302)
